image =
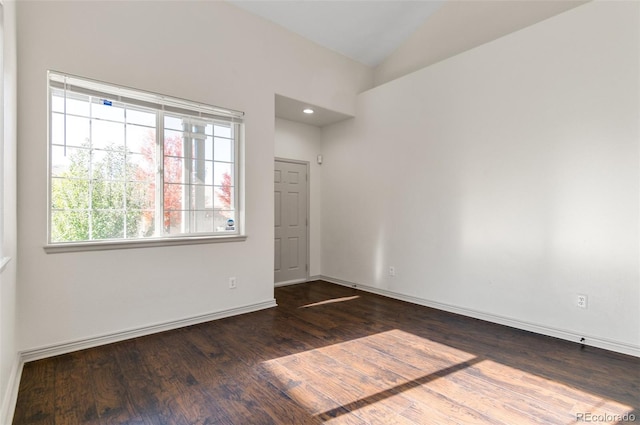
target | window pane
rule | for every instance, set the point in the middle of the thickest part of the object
(173, 168)
(141, 196)
(107, 195)
(208, 152)
(141, 117)
(222, 223)
(141, 139)
(57, 129)
(107, 135)
(173, 143)
(201, 197)
(222, 174)
(225, 197)
(140, 223)
(101, 109)
(223, 150)
(69, 194)
(199, 148)
(69, 226)
(198, 129)
(57, 100)
(108, 165)
(202, 172)
(173, 222)
(78, 105)
(202, 221)
(209, 200)
(107, 224)
(78, 130)
(220, 130)
(173, 123)
(140, 167)
(70, 162)
(173, 196)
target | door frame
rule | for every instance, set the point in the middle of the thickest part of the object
(307, 248)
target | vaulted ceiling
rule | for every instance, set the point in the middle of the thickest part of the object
(397, 37)
(369, 31)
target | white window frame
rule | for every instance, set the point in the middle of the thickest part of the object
(160, 105)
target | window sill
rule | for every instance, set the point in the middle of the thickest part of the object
(148, 243)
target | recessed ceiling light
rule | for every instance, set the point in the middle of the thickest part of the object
(308, 111)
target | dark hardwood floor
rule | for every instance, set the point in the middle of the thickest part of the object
(331, 354)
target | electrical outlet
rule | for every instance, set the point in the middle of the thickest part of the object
(392, 271)
(581, 301)
(232, 283)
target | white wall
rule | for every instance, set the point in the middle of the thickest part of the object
(8, 349)
(304, 143)
(205, 51)
(464, 25)
(504, 180)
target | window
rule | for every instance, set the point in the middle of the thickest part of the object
(131, 165)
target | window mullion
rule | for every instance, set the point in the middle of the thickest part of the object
(186, 177)
(198, 177)
(91, 180)
(159, 162)
(235, 137)
(125, 206)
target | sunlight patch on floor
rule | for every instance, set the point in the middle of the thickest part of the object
(331, 301)
(327, 378)
(398, 377)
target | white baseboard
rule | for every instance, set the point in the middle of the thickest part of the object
(81, 344)
(10, 396)
(618, 347)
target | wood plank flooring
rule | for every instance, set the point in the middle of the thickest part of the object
(331, 354)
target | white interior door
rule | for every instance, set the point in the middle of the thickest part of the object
(291, 240)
